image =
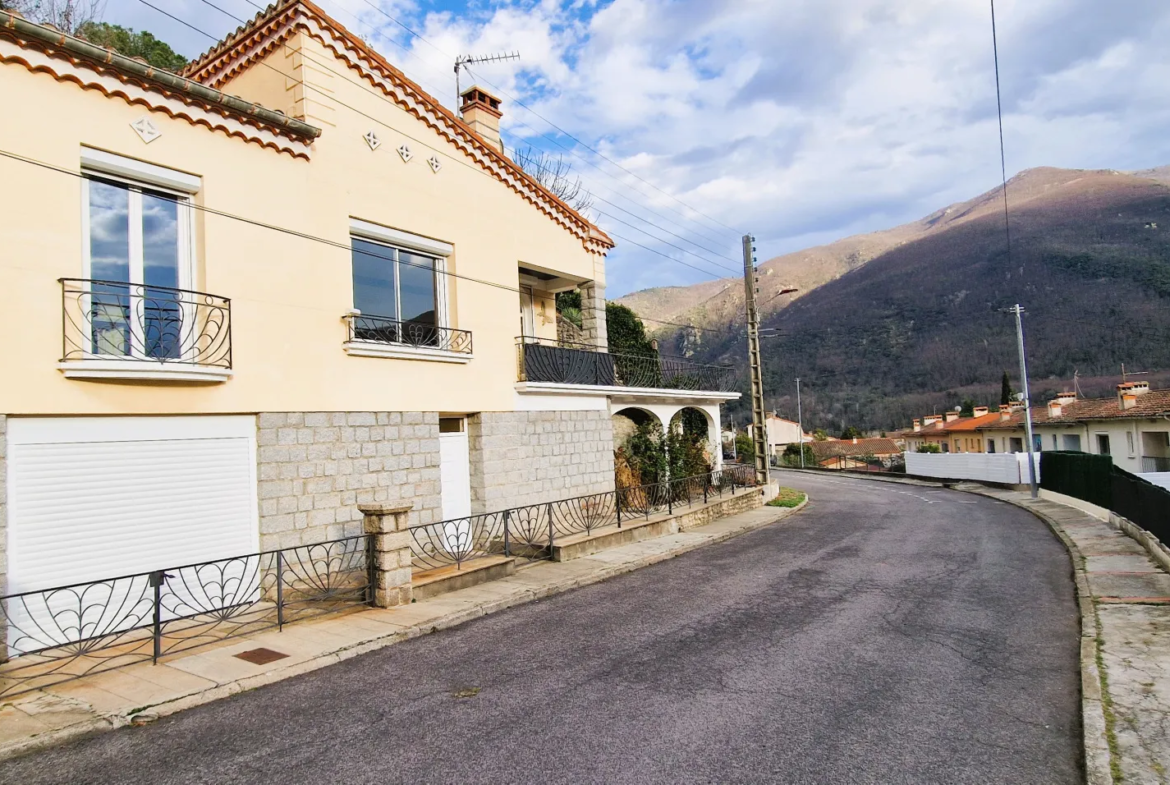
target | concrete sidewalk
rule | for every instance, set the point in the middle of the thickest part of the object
(1125, 652)
(144, 692)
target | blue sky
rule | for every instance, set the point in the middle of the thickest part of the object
(800, 122)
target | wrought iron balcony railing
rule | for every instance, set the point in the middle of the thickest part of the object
(116, 320)
(1152, 463)
(419, 335)
(563, 362)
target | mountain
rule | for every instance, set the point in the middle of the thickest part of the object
(894, 324)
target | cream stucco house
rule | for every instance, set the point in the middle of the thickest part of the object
(238, 302)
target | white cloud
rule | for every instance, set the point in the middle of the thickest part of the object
(800, 121)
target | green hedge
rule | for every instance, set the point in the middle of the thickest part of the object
(1079, 474)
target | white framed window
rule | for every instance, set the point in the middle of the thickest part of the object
(138, 262)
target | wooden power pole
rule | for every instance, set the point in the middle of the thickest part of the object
(759, 425)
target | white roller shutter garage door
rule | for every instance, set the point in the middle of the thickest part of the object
(102, 497)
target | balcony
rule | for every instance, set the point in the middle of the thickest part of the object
(1152, 463)
(119, 331)
(543, 363)
(381, 336)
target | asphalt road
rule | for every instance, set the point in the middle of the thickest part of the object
(887, 634)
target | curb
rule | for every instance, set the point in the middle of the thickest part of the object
(151, 712)
(1094, 726)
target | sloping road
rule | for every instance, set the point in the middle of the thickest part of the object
(887, 634)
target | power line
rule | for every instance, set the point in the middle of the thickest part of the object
(518, 102)
(294, 233)
(1002, 156)
(419, 141)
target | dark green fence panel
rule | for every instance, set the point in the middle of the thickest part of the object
(1079, 474)
(1143, 503)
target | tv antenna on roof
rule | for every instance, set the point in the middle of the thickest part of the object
(463, 61)
(1131, 373)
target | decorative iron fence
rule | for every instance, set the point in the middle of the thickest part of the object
(564, 362)
(67, 632)
(115, 320)
(418, 335)
(530, 532)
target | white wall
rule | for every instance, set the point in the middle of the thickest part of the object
(1009, 469)
(1158, 478)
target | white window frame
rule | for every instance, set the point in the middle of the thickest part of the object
(437, 250)
(112, 168)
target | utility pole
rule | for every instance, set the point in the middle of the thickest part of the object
(800, 422)
(1018, 311)
(759, 432)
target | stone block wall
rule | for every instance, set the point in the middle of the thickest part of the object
(521, 458)
(315, 468)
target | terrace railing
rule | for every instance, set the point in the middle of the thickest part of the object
(564, 362)
(417, 335)
(116, 320)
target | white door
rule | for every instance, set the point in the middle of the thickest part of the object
(454, 468)
(102, 497)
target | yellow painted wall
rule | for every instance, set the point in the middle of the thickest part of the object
(288, 294)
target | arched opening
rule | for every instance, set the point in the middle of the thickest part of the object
(689, 449)
(639, 448)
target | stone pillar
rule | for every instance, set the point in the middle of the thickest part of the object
(593, 315)
(390, 572)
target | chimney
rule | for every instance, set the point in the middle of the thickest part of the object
(481, 111)
(1128, 392)
(855, 440)
(930, 419)
(952, 416)
(1054, 407)
(1066, 397)
(917, 425)
(1005, 413)
(980, 411)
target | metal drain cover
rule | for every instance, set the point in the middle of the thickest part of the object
(260, 656)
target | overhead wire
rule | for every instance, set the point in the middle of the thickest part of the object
(435, 149)
(204, 208)
(557, 127)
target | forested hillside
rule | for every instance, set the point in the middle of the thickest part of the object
(921, 326)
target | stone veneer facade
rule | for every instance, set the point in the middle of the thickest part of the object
(521, 458)
(315, 468)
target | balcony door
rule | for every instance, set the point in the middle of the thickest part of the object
(527, 312)
(138, 259)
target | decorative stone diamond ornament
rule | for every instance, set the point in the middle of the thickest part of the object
(372, 140)
(404, 151)
(146, 129)
(435, 163)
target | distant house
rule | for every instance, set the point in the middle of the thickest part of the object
(1133, 427)
(781, 433)
(855, 453)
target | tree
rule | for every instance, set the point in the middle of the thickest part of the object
(627, 334)
(967, 409)
(745, 448)
(66, 15)
(132, 44)
(929, 447)
(851, 432)
(555, 174)
(569, 306)
(1006, 393)
(820, 435)
(792, 455)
